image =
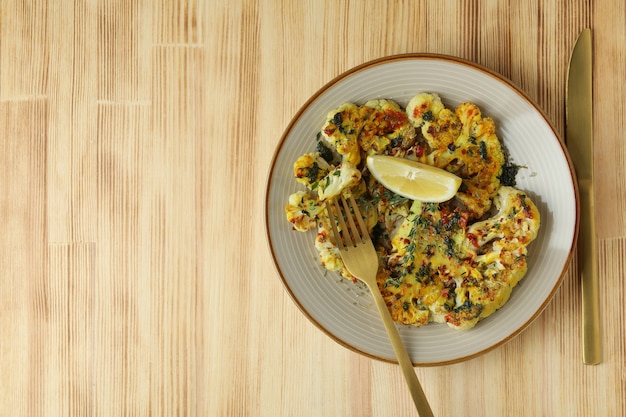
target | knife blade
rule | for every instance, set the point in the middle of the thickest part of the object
(579, 139)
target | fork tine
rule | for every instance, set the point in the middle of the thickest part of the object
(331, 216)
(354, 232)
(347, 237)
(345, 213)
(359, 217)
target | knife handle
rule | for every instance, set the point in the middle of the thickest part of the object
(588, 269)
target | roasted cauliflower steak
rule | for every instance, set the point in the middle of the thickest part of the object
(455, 262)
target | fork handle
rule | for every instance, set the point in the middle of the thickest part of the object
(419, 398)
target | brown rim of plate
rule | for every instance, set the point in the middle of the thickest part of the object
(405, 57)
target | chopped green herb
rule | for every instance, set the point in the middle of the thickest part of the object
(450, 249)
(432, 207)
(313, 172)
(393, 198)
(428, 116)
(509, 172)
(326, 184)
(424, 272)
(324, 150)
(483, 151)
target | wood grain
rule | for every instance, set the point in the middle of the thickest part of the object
(135, 139)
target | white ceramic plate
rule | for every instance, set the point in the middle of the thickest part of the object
(342, 309)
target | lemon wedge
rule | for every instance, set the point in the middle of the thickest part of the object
(412, 179)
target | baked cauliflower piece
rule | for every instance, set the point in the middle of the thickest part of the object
(302, 210)
(342, 177)
(310, 169)
(423, 108)
(517, 218)
(384, 124)
(461, 273)
(462, 142)
(455, 262)
(342, 129)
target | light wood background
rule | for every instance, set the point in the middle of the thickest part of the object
(135, 139)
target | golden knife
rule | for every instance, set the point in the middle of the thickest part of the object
(579, 138)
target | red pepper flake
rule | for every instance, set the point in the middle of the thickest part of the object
(419, 110)
(463, 220)
(395, 118)
(473, 239)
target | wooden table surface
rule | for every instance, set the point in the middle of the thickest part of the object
(135, 141)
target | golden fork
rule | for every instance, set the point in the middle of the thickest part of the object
(360, 259)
